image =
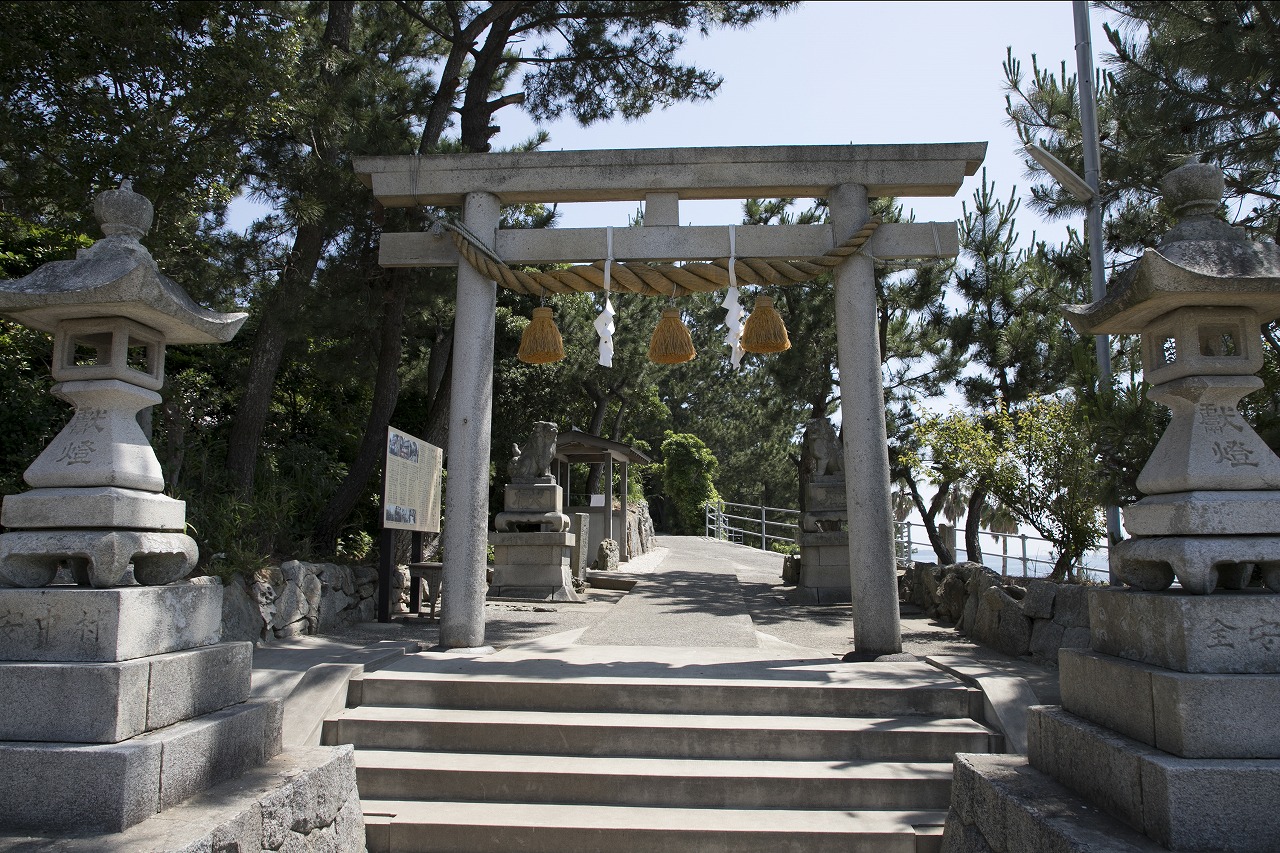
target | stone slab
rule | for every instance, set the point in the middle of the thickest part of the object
(825, 496)
(74, 702)
(1000, 803)
(1186, 715)
(534, 538)
(64, 786)
(682, 243)
(695, 173)
(303, 800)
(202, 752)
(1208, 445)
(1103, 767)
(102, 625)
(833, 556)
(549, 580)
(1204, 514)
(823, 538)
(532, 497)
(108, 787)
(1182, 803)
(102, 444)
(530, 555)
(1211, 804)
(1227, 632)
(101, 506)
(189, 683)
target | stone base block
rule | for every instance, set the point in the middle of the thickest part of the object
(1184, 804)
(824, 568)
(823, 584)
(543, 583)
(532, 565)
(102, 625)
(1000, 804)
(1227, 632)
(1187, 715)
(825, 521)
(108, 788)
(303, 800)
(529, 555)
(1205, 514)
(533, 497)
(1201, 564)
(112, 702)
(101, 558)
(825, 493)
(99, 506)
(544, 539)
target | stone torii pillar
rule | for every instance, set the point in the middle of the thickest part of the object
(873, 573)
(470, 424)
(846, 175)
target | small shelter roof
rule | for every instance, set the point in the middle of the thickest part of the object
(577, 446)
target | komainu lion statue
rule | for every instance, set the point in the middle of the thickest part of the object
(822, 449)
(535, 460)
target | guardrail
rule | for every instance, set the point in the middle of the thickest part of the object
(1020, 555)
(724, 521)
(1028, 556)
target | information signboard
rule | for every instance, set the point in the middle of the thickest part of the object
(411, 487)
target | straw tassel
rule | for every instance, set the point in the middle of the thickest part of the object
(541, 342)
(671, 343)
(764, 331)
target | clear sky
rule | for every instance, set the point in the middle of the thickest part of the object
(848, 72)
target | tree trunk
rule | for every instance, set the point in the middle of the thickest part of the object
(277, 314)
(972, 522)
(1061, 567)
(946, 556)
(268, 351)
(386, 390)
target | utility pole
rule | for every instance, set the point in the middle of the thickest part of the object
(1092, 168)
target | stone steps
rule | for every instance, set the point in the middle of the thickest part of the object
(468, 827)
(750, 738)
(625, 754)
(698, 783)
(790, 697)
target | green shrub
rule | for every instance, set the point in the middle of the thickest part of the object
(688, 478)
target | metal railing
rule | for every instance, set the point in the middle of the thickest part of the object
(724, 521)
(1028, 556)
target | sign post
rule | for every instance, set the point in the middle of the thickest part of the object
(411, 492)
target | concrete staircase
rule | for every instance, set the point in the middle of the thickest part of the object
(548, 756)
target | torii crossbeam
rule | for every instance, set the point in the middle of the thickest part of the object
(845, 175)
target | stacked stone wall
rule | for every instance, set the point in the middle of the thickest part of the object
(1019, 617)
(299, 598)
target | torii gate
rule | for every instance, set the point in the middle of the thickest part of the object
(845, 175)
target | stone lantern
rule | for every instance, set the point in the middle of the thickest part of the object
(97, 506)
(1198, 299)
(1167, 728)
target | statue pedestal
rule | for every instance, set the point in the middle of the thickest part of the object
(824, 545)
(532, 565)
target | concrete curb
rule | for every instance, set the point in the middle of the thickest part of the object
(323, 690)
(1005, 698)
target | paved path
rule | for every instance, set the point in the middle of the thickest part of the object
(685, 597)
(692, 600)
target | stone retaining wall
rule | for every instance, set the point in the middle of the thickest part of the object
(1014, 616)
(304, 598)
